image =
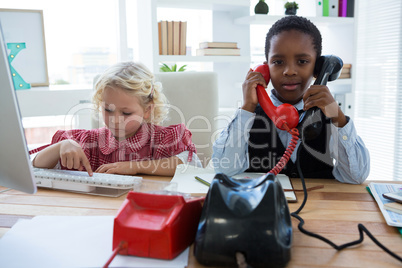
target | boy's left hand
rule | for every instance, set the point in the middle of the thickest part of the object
(122, 168)
(320, 96)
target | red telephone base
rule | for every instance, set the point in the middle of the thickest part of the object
(156, 226)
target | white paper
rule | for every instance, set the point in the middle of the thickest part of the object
(69, 241)
(377, 189)
(186, 182)
(185, 179)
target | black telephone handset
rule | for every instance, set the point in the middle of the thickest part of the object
(327, 68)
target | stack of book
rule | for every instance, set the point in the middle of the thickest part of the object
(172, 37)
(218, 49)
(335, 8)
(345, 73)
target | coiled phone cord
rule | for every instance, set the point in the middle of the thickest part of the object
(286, 156)
(360, 226)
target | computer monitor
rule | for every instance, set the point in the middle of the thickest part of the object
(15, 166)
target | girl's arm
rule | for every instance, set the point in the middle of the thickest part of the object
(162, 167)
(48, 157)
(69, 152)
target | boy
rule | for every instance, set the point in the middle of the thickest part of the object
(252, 143)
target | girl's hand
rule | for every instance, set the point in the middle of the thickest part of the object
(250, 99)
(122, 168)
(72, 156)
(321, 97)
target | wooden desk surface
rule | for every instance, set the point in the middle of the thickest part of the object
(333, 212)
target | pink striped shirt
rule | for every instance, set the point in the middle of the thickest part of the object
(149, 143)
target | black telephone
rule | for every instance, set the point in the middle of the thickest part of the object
(252, 218)
(327, 68)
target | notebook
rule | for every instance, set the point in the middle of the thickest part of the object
(185, 179)
(112, 185)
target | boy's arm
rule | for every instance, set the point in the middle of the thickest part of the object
(352, 157)
(230, 150)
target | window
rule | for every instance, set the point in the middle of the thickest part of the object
(81, 41)
(81, 37)
(378, 85)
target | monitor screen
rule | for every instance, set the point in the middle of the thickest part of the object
(15, 166)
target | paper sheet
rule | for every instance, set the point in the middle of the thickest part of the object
(377, 189)
(69, 241)
(184, 177)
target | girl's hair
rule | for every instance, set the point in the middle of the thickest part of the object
(136, 80)
(294, 23)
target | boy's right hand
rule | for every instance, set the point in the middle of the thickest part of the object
(72, 156)
(250, 99)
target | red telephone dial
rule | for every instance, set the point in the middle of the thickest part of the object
(285, 116)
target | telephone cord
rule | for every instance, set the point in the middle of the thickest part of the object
(360, 226)
(288, 152)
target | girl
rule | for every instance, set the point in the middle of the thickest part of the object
(133, 107)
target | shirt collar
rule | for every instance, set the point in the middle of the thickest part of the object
(299, 106)
(276, 102)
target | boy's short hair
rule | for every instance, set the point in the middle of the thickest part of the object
(294, 23)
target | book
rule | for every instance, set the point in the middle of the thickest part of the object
(377, 189)
(347, 65)
(350, 9)
(218, 45)
(345, 71)
(344, 76)
(176, 37)
(170, 38)
(183, 38)
(218, 52)
(394, 206)
(333, 8)
(325, 8)
(160, 37)
(318, 10)
(342, 8)
(163, 37)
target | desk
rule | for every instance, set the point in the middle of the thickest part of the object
(333, 212)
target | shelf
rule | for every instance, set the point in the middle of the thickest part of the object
(319, 21)
(344, 81)
(205, 4)
(174, 58)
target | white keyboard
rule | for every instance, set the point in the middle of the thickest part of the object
(80, 181)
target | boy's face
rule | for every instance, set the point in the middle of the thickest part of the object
(291, 61)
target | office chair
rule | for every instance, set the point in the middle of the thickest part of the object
(193, 101)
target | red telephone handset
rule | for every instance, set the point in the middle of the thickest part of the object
(285, 116)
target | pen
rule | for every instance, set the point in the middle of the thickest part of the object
(202, 181)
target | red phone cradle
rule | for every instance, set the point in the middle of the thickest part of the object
(156, 226)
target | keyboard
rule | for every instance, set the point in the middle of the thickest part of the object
(79, 181)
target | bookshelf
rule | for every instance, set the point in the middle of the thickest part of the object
(232, 22)
(231, 69)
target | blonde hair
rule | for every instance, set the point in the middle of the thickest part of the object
(136, 80)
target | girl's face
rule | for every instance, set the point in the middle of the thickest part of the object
(291, 61)
(122, 113)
